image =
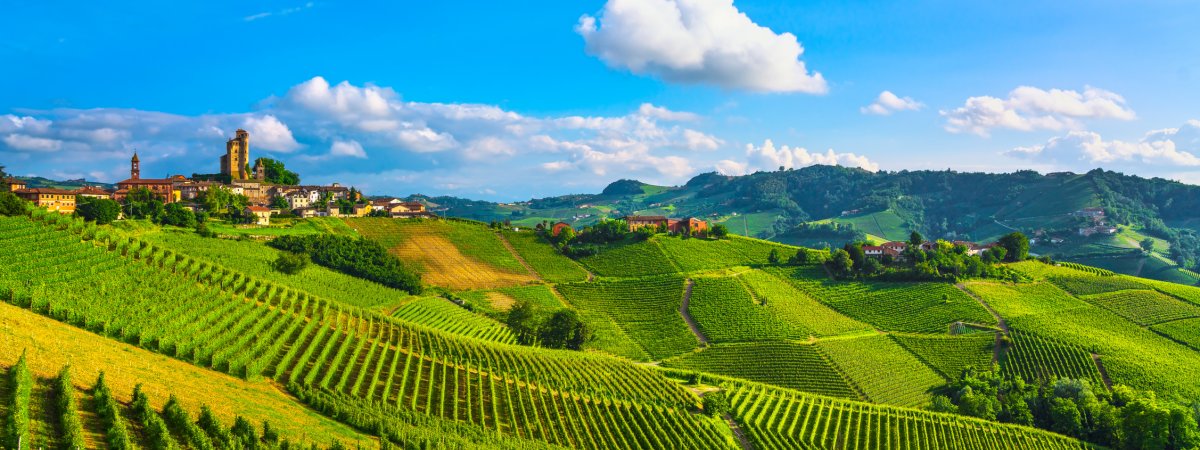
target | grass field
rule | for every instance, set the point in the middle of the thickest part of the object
(544, 259)
(633, 259)
(254, 258)
(884, 224)
(451, 254)
(50, 344)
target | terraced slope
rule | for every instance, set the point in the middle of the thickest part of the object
(951, 355)
(441, 314)
(882, 370)
(647, 310)
(796, 366)
(451, 254)
(233, 323)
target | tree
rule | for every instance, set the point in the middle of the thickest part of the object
(564, 330)
(915, 239)
(100, 210)
(773, 257)
(841, 263)
(719, 231)
(1016, 245)
(1065, 417)
(220, 201)
(523, 321)
(11, 205)
(176, 215)
(715, 403)
(276, 173)
(290, 263)
(142, 203)
(1147, 245)
(799, 259)
(279, 202)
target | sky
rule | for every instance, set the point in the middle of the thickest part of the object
(509, 101)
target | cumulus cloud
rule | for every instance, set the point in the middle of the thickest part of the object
(271, 134)
(31, 143)
(347, 148)
(769, 157)
(888, 103)
(1166, 147)
(662, 113)
(697, 41)
(1028, 108)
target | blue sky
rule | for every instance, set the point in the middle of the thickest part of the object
(512, 100)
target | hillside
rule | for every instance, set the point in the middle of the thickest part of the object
(888, 205)
(684, 305)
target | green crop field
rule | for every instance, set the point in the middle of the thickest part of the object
(791, 365)
(497, 301)
(725, 311)
(1145, 307)
(912, 307)
(951, 355)
(1088, 285)
(441, 314)
(646, 310)
(635, 259)
(884, 224)
(1036, 358)
(544, 259)
(701, 254)
(254, 258)
(1186, 331)
(882, 370)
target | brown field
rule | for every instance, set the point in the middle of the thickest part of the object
(440, 261)
(50, 345)
(501, 301)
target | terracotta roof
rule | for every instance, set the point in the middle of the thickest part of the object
(47, 191)
(11, 180)
(147, 181)
(258, 209)
(92, 190)
(645, 218)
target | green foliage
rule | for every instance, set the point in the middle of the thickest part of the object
(630, 260)
(565, 330)
(142, 203)
(860, 359)
(16, 423)
(290, 263)
(703, 254)
(950, 356)
(68, 408)
(545, 260)
(1016, 246)
(1186, 331)
(176, 215)
(442, 314)
(100, 210)
(276, 173)
(1089, 285)
(1145, 307)
(791, 365)
(715, 403)
(117, 431)
(359, 257)
(646, 309)
(153, 426)
(1042, 359)
(11, 205)
(719, 231)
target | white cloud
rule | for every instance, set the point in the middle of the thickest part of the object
(1169, 147)
(665, 114)
(347, 148)
(697, 41)
(695, 140)
(10, 123)
(768, 157)
(269, 133)
(1029, 108)
(282, 12)
(23, 142)
(888, 103)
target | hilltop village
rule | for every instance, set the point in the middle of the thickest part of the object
(246, 188)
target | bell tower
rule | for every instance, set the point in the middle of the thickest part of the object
(135, 168)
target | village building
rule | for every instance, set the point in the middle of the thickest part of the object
(12, 184)
(164, 188)
(559, 227)
(262, 216)
(689, 225)
(1099, 229)
(638, 222)
(237, 156)
(298, 200)
(1093, 212)
(190, 190)
(93, 192)
(57, 200)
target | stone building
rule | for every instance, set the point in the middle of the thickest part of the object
(237, 156)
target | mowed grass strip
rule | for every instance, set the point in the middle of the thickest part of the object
(456, 255)
(791, 365)
(882, 370)
(50, 345)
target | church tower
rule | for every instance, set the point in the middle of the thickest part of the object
(260, 171)
(135, 168)
(237, 156)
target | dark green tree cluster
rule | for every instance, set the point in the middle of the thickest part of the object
(222, 202)
(100, 210)
(11, 205)
(943, 261)
(276, 173)
(290, 263)
(142, 203)
(1123, 418)
(562, 329)
(358, 257)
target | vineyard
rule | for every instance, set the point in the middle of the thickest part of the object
(236, 324)
(951, 355)
(636, 259)
(726, 312)
(647, 310)
(545, 260)
(911, 307)
(1186, 331)
(1036, 358)
(447, 253)
(254, 259)
(439, 313)
(774, 418)
(1089, 285)
(701, 254)
(495, 301)
(1145, 307)
(59, 413)
(1014, 300)
(796, 366)
(882, 370)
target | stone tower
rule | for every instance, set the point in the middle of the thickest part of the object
(135, 168)
(260, 170)
(237, 156)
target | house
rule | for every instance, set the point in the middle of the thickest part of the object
(690, 225)
(873, 251)
(93, 192)
(559, 228)
(298, 200)
(895, 246)
(164, 188)
(190, 190)
(850, 212)
(305, 212)
(57, 200)
(12, 184)
(262, 216)
(638, 222)
(1099, 229)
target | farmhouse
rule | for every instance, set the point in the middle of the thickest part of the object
(12, 184)
(262, 216)
(57, 200)
(1099, 229)
(638, 222)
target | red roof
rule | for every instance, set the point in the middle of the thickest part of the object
(147, 181)
(258, 209)
(47, 191)
(645, 218)
(92, 190)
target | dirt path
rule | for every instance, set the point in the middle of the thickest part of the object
(1103, 373)
(737, 433)
(511, 249)
(999, 320)
(687, 317)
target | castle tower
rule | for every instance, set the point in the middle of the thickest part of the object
(260, 170)
(237, 156)
(135, 168)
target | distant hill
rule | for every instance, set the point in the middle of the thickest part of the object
(40, 182)
(889, 205)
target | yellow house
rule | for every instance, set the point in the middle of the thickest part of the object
(58, 200)
(262, 216)
(12, 184)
